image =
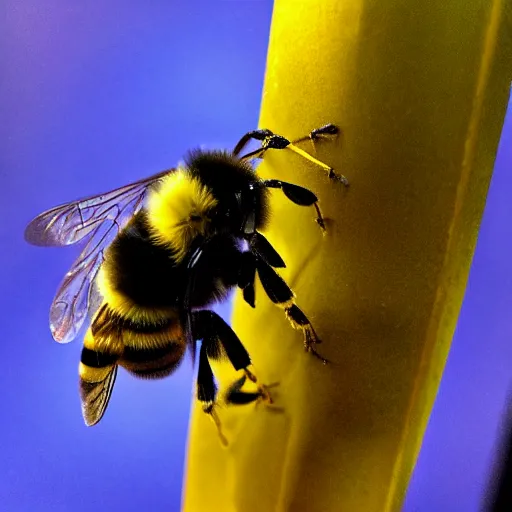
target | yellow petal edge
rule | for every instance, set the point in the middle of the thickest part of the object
(419, 90)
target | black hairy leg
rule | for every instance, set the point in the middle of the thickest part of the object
(261, 248)
(270, 140)
(247, 275)
(235, 396)
(298, 195)
(207, 391)
(281, 294)
(218, 340)
(263, 258)
(300, 321)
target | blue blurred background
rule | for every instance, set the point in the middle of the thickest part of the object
(95, 96)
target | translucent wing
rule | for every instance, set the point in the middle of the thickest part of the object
(99, 217)
(71, 303)
(95, 397)
(95, 299)
(71, 222)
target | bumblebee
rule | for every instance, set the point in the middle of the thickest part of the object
(159, 252)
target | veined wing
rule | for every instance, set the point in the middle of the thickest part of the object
(95, 397)
(74, 296)
(101, 217)
(71, 222)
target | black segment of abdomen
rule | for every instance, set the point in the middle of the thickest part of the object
(154, 363)
(96, 359)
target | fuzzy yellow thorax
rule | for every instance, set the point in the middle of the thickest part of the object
(178, 211)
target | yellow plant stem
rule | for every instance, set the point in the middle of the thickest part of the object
(419, 90)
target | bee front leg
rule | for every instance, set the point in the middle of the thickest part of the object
(270, 140)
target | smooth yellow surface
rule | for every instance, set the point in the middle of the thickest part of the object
(419, 90)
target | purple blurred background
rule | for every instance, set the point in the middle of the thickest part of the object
(453, 470)
(92, 97)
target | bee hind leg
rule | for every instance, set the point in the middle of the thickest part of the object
(207, 392)
(220, 340)
(236, 396)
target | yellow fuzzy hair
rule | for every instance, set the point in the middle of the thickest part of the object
(90, 374)
(178, 212)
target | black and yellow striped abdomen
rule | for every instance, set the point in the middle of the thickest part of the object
(146, 349)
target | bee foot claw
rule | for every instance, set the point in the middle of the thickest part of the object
(328, 129)
(321, 223)
(338, 177)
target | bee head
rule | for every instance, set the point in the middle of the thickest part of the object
(214, 192)
(241, 197)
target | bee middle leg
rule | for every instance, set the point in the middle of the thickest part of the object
(260, 247)
(300, 196)
(279, 293)
(207, 391)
